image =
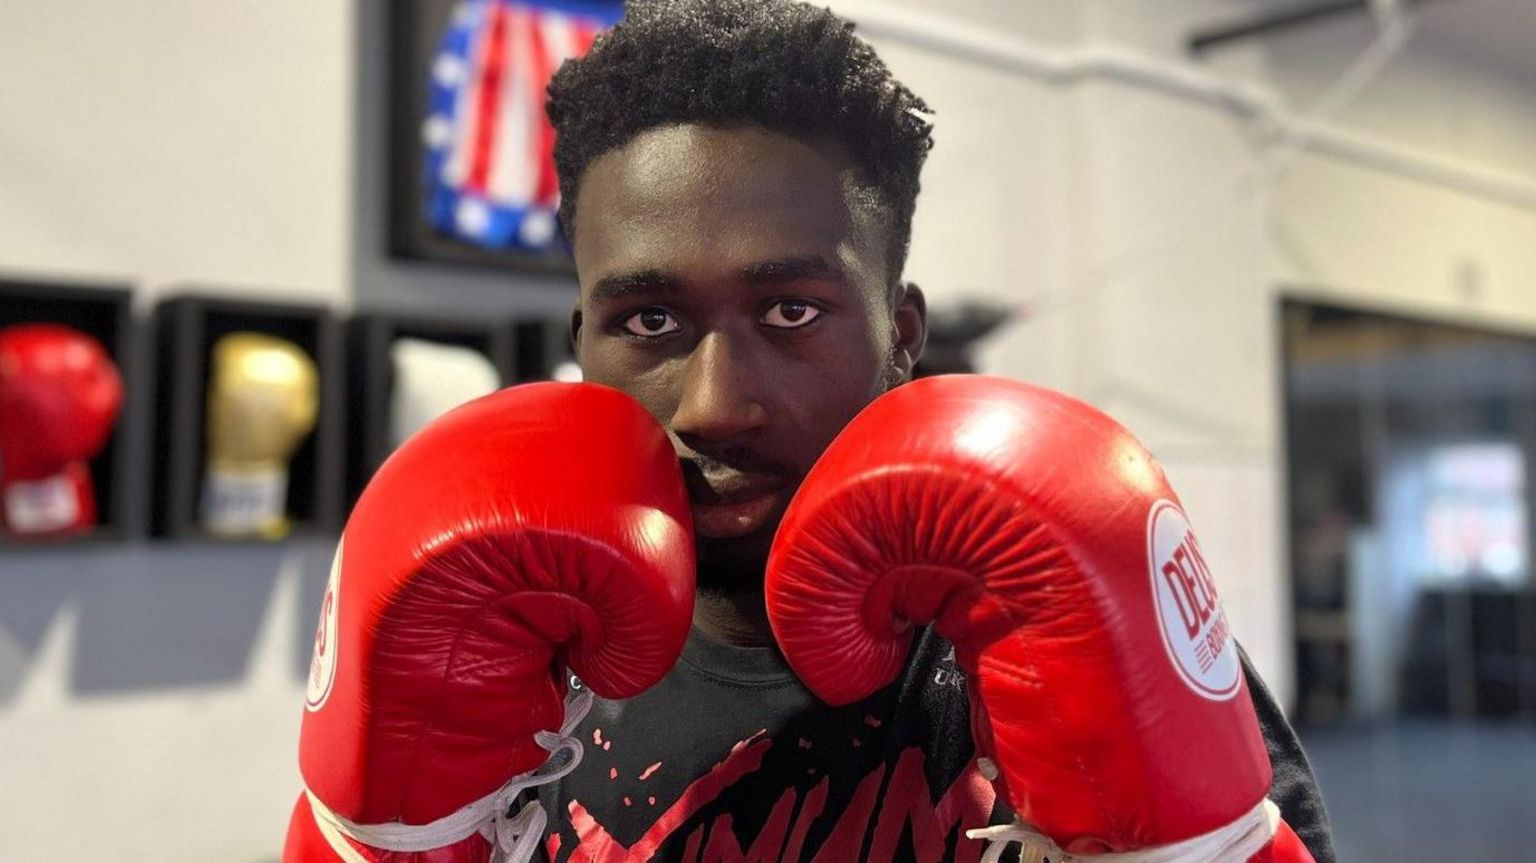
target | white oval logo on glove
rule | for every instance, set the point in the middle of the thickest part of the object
(322, 665)
(1194, 627)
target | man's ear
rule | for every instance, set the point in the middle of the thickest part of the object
(909, 324)
(575, 333)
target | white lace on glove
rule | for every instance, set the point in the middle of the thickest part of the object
(1234, 843)
(513, 838)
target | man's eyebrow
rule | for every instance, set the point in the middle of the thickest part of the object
(642, 282)
(764, 273)
(787, 270)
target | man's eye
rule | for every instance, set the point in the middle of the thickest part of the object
(790, 314)
(650, 323)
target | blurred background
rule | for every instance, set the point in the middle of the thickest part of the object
(1291, 244)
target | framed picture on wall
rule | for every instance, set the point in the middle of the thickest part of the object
(472, 177)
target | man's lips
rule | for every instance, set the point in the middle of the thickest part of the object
(728, 520)
(732, 505)
(730, 488)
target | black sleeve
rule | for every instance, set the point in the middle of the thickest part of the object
(1294, 790)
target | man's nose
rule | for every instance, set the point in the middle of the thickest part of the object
(719, 399)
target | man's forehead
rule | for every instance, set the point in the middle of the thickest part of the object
(698, 197)
(693, 166)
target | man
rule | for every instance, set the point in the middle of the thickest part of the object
(738, 181)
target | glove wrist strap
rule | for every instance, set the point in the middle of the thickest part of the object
(513, 838)
(1234, 843)
(43, 505)
(240, 501)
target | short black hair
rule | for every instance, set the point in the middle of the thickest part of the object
(779, 64)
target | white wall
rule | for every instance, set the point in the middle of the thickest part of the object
(1348, 231)
(239, 145)
(1121, 225)
(1140, 235)
(147, 693)
(177, 142)
(150, 699)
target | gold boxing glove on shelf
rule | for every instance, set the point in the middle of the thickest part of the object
(263, 398)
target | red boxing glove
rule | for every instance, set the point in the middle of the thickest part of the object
(1045, 544)
(538, 528)
(59, 396)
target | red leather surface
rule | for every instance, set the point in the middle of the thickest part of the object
(59, 397)
(1016, 518)
(540, 526)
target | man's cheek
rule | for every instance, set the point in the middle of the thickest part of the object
(818, 432)
(654, 387)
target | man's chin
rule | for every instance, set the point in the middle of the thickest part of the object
(734, 565)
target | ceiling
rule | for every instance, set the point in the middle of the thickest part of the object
(1498, 31)
(1502, 31)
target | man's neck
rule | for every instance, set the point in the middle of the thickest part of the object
(741, 620)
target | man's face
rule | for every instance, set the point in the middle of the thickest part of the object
(730, 284)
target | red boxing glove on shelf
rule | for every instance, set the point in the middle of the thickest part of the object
(538, 529)
(1041, 539)
(59, 397)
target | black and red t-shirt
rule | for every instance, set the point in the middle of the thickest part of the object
(730, 760)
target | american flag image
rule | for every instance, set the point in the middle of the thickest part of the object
(490, 173)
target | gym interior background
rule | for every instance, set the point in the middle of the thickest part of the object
(1299, 260)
